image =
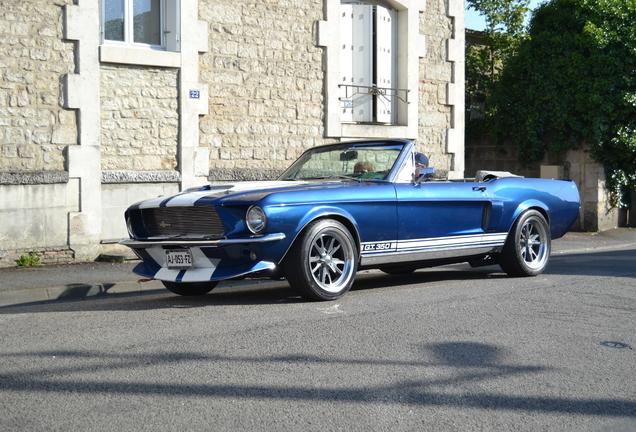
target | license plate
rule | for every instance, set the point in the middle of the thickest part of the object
(178, 259)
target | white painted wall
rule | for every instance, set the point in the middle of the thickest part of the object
(36, 216)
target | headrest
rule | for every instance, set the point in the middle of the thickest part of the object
(420, 158)
(491, 175)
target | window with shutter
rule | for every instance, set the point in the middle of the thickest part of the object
(368, 63)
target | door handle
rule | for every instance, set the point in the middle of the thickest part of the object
(479, 188)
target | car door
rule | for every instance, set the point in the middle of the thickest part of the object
(441, 215)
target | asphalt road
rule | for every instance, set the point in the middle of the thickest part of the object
(451, 348)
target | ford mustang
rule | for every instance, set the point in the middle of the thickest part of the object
(345, 207)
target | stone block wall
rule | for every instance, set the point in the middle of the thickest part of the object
(435, 74)
(139, 116)
(265, 78)
(589, 175)
(482, 154)
(34, 128)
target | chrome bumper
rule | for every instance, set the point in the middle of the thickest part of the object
(140, 244)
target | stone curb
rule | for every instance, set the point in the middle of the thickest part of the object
(71, 292)
(608, 248)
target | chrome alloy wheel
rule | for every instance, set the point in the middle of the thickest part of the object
(533, 247)
(331, 260)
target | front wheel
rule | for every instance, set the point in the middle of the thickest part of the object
(527, 249)
(190, 288)
(323, 262)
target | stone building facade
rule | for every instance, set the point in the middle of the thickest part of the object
(91, 120)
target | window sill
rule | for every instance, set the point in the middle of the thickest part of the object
(138, 56)
(353, 130)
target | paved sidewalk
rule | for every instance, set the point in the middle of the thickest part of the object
(77, 281)
(579, 242)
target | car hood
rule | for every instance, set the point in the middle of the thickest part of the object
(235, 192)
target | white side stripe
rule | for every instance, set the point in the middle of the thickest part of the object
(434, 243)
(450, 242)
(465, 236)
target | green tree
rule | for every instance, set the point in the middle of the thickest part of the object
(500, 39)
(502, 16)
(572, 83)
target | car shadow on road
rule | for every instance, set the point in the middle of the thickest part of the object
(427, 275)
(84, 297)
(469, 362)
(159, 299)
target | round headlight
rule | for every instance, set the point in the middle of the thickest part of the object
(255, 219)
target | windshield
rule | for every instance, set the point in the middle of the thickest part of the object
(356, 162)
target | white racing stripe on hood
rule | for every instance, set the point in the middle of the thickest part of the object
(188, 199)
(152, 203)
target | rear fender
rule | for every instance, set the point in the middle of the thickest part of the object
(527, 205)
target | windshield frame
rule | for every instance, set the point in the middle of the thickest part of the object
(403, 145)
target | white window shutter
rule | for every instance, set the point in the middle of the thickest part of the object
(172, 24)
(362, 61)
(346, 61)
(386, 55)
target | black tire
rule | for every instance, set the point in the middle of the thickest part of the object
(317, 267)
(402, 269)
(190, 288)
(524, 254)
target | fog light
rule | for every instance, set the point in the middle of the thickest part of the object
(253, 256)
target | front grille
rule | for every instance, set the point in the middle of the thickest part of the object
(185, 222)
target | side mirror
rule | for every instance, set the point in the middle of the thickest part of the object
(425, 175)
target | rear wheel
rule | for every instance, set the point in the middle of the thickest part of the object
(323, 262)
(527, 249)
(190, 288)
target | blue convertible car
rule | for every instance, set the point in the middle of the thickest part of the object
(344, 207)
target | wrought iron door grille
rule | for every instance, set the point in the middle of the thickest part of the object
(390, 97)
(388, 93)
